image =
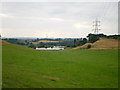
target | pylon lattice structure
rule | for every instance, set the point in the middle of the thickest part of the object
(96, 26)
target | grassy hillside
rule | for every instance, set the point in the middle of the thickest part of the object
(4, 42)
(83, 46)
(27, 68)
(103, 43)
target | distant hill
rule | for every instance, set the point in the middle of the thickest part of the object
(4, 42)
(103, 43)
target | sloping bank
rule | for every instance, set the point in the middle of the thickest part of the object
(103, 43)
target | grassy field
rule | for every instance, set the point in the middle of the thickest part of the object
(0, 64)
(27, 68)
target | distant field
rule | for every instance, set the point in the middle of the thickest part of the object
(45, 41)
(27, 68)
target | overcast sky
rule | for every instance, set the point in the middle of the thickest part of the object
(57, 19)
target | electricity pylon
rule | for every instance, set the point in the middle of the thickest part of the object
(96, 25)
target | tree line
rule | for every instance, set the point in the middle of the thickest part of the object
(67, 42)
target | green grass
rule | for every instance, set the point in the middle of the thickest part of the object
(0, 66)
(27, 68)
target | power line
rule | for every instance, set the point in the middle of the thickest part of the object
(106, 9)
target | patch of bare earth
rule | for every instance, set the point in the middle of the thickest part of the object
(105, 48)
(51, 78)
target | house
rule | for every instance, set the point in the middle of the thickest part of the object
(54, 48)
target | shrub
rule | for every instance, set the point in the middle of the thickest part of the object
(32, 46)
(89, 46)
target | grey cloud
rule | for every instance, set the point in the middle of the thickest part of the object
(57, 17)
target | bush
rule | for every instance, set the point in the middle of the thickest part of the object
(41, 46)
(32, 46)
(89, 46)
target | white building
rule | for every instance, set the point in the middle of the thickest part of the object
(54, 48)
